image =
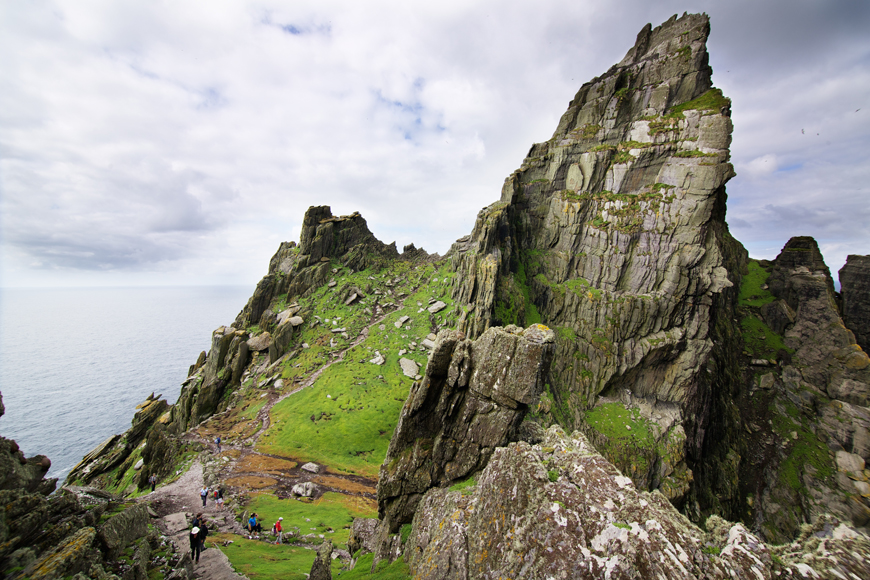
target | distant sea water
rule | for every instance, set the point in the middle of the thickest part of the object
(75, 362)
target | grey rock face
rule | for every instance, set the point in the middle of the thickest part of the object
(855, 289)
(560, 510)
(824, 383)
(320, 569)
(613, 233)
(472, 399)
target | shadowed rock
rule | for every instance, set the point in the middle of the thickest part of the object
(855, 289)
(471, 400)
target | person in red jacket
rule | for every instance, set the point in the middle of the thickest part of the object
(280, 531)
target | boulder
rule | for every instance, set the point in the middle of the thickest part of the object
(436, 307)
(321, 569)
(471, 400)
(67, 559)
(121, 529)
(409, 367)
(260, 342)
(306, 489)
(311, 468)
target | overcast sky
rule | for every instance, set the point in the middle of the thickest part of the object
(180, 142)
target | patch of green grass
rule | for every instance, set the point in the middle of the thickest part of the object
(623, 157)
(806, 450)
(405, 532)
(711, 550)
(398, 570)
(629, 444)
(751, 293)
(566, 333)
(712, 101)
(759, 340)
(346, 418)
(694, 153)
(464, 486)
(263, 561)
(331, 511)
(616, 422)
(553, 475)
(622, 525)
(603, 147)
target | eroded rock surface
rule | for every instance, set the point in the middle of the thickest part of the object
(855, 289)
(613, 234)
(560, 510)
(471, 400)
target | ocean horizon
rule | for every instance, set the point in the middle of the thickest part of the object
(75, 362)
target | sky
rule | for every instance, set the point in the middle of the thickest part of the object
(179, 143)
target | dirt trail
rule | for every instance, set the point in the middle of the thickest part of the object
(177, 502)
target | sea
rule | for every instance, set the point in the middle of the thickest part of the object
(75, 362)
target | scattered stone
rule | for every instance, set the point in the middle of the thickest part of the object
(437, 307)
(338, 330)
(379, 359)
(351, 299)
(260, 342)
(332, 284)
(295, 321)
(401, 321)
(279, 384)
(409, 367)
(430, 344)
(311, 468)
(306, 489)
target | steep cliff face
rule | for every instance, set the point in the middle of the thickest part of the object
(855, 289)
(805, 406)
(472, 400)
(613, 233)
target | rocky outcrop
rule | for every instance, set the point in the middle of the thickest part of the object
(560, 510)
(855, 291)
(805, 408)
(298, 270)
(59, 536)
(613, 234)
(321, 568)
(471, 401)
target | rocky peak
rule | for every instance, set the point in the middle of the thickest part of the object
(612, 233)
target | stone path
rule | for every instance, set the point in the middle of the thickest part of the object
(177, 503)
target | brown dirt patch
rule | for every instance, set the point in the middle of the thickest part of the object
(231, 453)
(251, 481)
(254, 463)
(344, 484)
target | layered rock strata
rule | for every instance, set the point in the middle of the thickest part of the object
(855, 290)
(45, 535)
(613, 234)
(472, 400)
(805, 410)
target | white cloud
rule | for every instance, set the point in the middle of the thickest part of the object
(148, 143)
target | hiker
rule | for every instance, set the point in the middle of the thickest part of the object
(197, 519)
(195, 546)
(280, 531)
(203, 494)
(218, 443)
(254, 526)
(220, 497)
(153, 481)
(215, 497)
(203, 533)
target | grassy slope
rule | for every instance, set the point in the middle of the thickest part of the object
(348, 430)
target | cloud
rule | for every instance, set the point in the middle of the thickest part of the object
(183, 145)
